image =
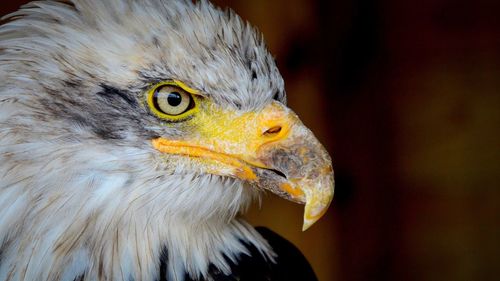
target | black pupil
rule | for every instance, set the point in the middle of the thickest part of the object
(174, 99)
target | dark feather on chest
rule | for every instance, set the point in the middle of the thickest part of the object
(290, 264)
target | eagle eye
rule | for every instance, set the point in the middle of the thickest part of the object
(170, 101)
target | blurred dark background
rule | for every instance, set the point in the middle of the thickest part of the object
(406, 97)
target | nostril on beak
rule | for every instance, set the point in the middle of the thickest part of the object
(273, 131)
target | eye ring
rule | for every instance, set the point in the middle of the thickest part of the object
(171, 101)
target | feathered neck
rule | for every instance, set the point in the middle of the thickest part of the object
(85, 214)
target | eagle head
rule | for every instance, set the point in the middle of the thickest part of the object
(128, 127)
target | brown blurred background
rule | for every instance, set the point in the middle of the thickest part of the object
(406, 97)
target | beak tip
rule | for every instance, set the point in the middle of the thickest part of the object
(307, 224)
(316, 206)
(309, 220)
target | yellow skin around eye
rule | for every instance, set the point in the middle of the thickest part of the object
(182, 116)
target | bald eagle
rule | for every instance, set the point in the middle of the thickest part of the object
(133, 135)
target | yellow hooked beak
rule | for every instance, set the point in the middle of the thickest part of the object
(270, 148)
